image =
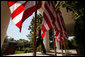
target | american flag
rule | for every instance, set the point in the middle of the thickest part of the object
(53, 19)
(21, 10)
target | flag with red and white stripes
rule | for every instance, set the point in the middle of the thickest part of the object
(21, 10)
(53, 19)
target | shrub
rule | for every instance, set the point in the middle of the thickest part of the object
(26, 50)
(19, 52)
(39, 48)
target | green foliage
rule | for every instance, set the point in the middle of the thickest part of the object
(38, 22)
(22, 43)
(77, 7)
(19, 52)
(39, 48)
(22, 46)
(6, 39)
(27, 50)
(31, 28)
(52, 48)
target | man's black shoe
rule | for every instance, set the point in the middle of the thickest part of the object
(43, 52)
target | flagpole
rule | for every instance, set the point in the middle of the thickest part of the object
(54, 43)
(34, 39)
(61, 46)
(65, 46)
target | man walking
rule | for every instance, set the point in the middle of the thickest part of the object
(40, 41)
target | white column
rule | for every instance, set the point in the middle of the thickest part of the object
(46, 41)
(5, 18)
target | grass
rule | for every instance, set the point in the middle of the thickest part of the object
(25, 50)
(19, 52)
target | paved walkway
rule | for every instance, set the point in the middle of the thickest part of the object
(51, 53)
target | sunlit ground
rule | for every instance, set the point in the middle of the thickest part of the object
(51, 53)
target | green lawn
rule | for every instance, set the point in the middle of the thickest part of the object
(19, 52)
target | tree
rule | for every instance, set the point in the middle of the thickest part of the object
(31, 28)
(22, 43)
(77, 7)
(6, 39)
(38, 21)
